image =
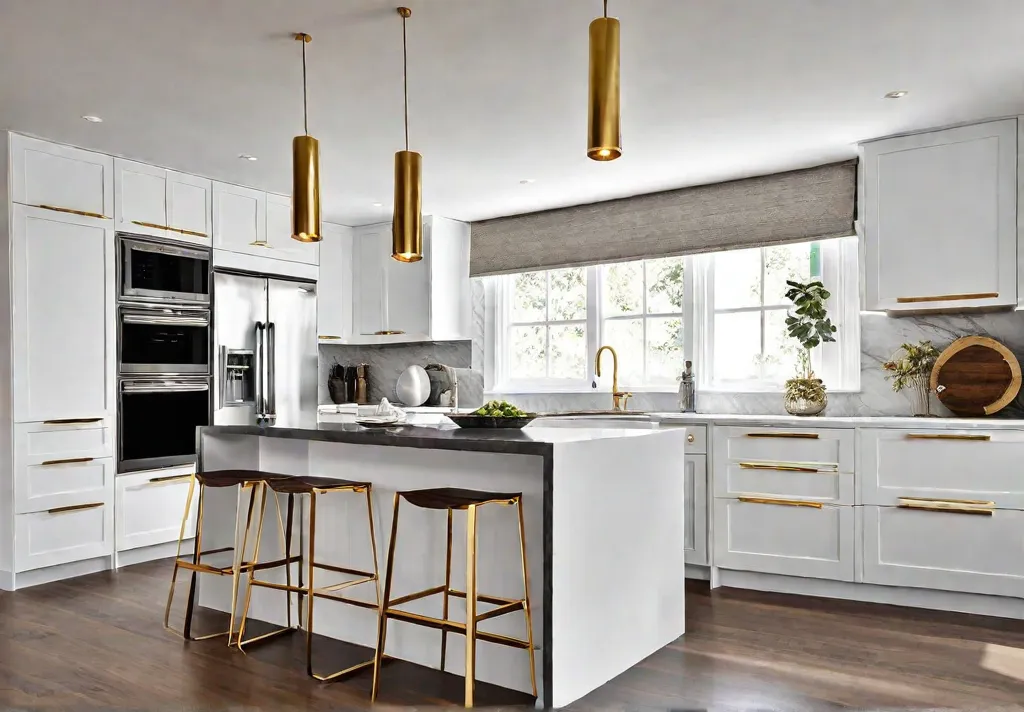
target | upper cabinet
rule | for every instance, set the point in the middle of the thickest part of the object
(279, 233)
(334, 288)
(259, 224)
(429, 299)
(939, 219)
(61, 178)
(155, 201)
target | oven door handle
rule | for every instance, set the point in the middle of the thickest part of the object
(163, 387)
(271, 357)
(258, 377)
(164, 319)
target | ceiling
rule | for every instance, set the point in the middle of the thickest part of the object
(712, 89)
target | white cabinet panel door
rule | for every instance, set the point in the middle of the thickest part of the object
(940, 219)
(695, 523)
(62, 482)
(815, 542)
(334, 288)
(945, 550)
(59, 176)
(149, 507)
(371, 247)
(239, 218)
(63, 316)
(59, 537)
(140, 204)
(279, 233)
(189, 207)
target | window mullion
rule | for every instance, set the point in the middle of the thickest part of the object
(763, 320)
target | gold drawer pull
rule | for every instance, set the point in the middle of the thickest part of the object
(947, 436)
(74, 508)
(67, 461)
(183, 231)
(780, 502)
(952, 506)
(71, 421)
(947, 297)
(149, 224)
(801, 436)
(83, 213)
(780, 467)
(169, 478)
(329, 338)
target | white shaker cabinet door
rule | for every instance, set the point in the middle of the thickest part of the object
(62, 177)
(140, 198)
(940, 219)
(149, 507)
(189, 207)
(371, 250)
(695, 541)
(63, 278)
(239, 219)
(279, 233)
(334, 287)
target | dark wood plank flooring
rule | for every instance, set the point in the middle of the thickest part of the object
(98, 641)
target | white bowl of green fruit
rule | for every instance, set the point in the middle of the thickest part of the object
(494, 414)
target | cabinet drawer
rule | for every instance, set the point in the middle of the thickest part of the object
(61, 536)
(814, 540)
(944, 464)
(149, 506)
(975, 553)
(62, 483)
(829, 447)
(695, 508)
(812, 482)
(35, 443)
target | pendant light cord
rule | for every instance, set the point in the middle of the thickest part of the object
(305, 109)
(606, 9)
(405, 80)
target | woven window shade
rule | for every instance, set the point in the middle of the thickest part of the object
(808, 204)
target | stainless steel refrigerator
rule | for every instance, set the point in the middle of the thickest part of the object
(265, 356)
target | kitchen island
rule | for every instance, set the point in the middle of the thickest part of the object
(603, 513)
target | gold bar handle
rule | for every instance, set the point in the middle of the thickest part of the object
(153, 225)
(800, 436)
(74, 508)
(325, 337)
(169, 478)
(780, 467)
(183, 231)
(71, 421)
(83, 213)
(947, 297)
(947, 436)
(67, 461)
(780, 502)
(951, 506)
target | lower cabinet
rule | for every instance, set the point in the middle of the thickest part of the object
(972, 553)
(150, 506)
(63, 534)
(786, 537)
(695, 507)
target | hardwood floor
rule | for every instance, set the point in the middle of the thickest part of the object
(98, 641)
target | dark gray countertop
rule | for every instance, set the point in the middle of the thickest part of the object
(532, 441)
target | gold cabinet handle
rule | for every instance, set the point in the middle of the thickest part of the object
(169, 478)
(149, 224)
(690, 438)
(181, 230)
(83, 213)
(71, 421)
(802, 436)
(74, 508)
(67, 461)
(780, 466)
(329, 338)
(780, 502)
(951, 506)
(947, 297)
(947, 436)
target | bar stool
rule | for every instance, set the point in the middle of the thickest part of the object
(253, 480)
(450, 499)
(314, 487)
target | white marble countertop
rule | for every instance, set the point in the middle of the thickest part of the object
(842, 421)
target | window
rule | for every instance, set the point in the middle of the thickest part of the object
(725, 311)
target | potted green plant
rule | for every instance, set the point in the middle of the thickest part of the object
(912, 369)
(810, 326)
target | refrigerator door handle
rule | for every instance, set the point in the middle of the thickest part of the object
(258, 378)
(271, 357)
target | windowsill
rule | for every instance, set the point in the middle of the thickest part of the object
(658, 390)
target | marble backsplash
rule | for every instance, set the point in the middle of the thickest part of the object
(387, 363)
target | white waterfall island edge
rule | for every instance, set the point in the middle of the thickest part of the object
(604, 537)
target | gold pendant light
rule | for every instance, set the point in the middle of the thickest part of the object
(406, 225)
(305, 171)
(604, 141)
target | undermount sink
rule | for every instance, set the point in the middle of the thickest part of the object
(596, 413)
(595, 419)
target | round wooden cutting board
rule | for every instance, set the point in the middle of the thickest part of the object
(976, 376)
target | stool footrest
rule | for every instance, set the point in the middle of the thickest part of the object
(501, 610)
(263, 565)
(205, 568)
(482, 597)
(265, 636)
(342, 570)
(346, 584)
(454, 627)
(416, 596)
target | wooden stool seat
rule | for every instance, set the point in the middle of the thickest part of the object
(309, 485)
(455, 498)
(233, 478)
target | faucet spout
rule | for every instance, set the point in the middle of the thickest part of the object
(618, 397)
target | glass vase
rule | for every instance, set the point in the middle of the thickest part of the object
(920, 397)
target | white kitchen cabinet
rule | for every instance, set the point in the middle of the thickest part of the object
(63, 331)
(939, 219)
(189, 207)
(779, 536)
(61, 178)
(57, 464)
(149, 507)
(334, 288)
(695, 540)
(239, 219)
(162, 203)
(64, 534)
(429, 299)
(973, 553)
(279, 233)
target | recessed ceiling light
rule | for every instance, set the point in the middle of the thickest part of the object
(524, 181)
(897, 94)
(93, 119)
(247, 157)
(378, 205)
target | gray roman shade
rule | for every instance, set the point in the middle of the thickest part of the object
(808, 204)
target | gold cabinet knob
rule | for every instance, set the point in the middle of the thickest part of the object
(689, 438)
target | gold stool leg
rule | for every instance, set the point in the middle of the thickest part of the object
(238, 557)
(470, 603)
(382, 618)
(177, 556)
(526, 596)
(286, 543)
(190, 604)
(373, 543)
(250, 574)
(447, 587)
(309, 585)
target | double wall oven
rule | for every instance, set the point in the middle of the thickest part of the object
(164, 344)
